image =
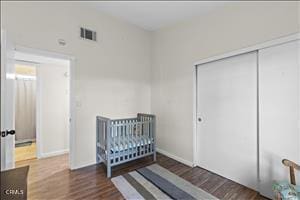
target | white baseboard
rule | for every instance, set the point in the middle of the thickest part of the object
(54, 153)
(83, 165)
(179, 159)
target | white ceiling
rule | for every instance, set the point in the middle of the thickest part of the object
(152, 15)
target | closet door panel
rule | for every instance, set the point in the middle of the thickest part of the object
(279, 108)
(227, 106)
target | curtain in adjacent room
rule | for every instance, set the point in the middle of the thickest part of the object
(25, 114)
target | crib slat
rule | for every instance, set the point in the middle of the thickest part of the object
(122, 142)
(129, 144)
(142, 139)
(154, 139)
(133, 141)
(150, 136)
(130, 141)
(149, 133)
(145, 132)
(97, 140)
(119, 143)
(146, 137)
(126, 142)
(137, 140)
(108, 143)
(114, 143)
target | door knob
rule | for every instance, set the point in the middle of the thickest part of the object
(7, 132)
(199, 119)
(11, 132)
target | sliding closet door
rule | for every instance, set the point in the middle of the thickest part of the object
(279, 101)
(227, 118)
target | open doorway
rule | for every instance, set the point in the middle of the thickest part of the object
(25, 111)
(42, 106)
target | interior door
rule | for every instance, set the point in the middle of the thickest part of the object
(227, 118)
(279, 103)
(7, 103)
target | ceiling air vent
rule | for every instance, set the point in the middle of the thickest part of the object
(88, 34)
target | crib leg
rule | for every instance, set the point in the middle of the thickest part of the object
(154, 156)
(108, 168)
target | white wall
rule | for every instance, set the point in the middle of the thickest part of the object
(176, 48)
(112, 76)
(53, 108)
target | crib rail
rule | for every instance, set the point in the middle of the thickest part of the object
(123, 140)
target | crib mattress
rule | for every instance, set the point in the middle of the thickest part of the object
(129, 144)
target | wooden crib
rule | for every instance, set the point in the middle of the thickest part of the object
(122, 140)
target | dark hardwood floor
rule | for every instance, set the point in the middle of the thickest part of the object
(50, 178)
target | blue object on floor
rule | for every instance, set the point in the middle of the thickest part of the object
(286, 190)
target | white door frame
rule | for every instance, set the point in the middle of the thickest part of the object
(72, 59)
(257, 47)
(7, 101)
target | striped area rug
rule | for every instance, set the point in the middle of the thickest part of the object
(156, 182)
